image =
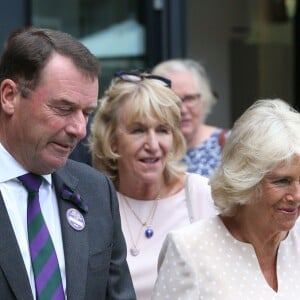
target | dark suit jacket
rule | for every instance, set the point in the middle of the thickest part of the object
(95, 257)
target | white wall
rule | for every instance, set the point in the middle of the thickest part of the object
(244, 51)
(210, 24)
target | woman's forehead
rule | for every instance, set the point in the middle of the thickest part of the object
(286, 165)
(148, 120)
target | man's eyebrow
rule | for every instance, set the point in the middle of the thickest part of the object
(65, 101)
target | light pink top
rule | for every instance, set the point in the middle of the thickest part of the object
(171, 213)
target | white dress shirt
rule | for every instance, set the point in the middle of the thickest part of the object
(15, 200)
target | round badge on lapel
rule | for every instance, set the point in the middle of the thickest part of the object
(75, 219)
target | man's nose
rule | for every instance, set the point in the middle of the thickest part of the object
(77, 125)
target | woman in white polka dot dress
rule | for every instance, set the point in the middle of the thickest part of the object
(252, 249)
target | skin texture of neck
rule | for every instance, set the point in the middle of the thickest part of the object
(264, 241)
(151, 191)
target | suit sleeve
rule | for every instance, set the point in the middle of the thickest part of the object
(120, 283)
(96, 266)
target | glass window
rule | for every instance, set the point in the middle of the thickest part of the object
(109, 28)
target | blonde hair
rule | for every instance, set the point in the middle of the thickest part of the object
(147, 97)
(265, 136)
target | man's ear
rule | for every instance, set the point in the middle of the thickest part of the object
(8, 93)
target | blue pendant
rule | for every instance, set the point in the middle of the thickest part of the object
(149, 233)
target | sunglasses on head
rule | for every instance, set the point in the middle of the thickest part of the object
(136, 77)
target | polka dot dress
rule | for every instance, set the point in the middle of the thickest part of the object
(204, 261)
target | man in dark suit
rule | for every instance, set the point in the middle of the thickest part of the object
(48, 89)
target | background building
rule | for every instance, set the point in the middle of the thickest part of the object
(248, 47)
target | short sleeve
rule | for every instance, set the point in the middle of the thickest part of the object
(176, 277)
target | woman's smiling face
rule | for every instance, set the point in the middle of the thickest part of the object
(143, 146)
(280, 196)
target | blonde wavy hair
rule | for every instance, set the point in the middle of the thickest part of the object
(265, 136)
(148, 98)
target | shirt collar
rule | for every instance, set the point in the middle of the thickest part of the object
(11, 169)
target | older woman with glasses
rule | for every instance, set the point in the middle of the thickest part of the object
(204, 142)
(136, 140)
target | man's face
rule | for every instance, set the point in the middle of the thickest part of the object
(45, 127)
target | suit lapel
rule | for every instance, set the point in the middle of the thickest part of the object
(11, 260)
(75, 242)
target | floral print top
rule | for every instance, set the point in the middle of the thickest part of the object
(206, 157)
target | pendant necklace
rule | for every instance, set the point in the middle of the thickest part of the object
(148, 232)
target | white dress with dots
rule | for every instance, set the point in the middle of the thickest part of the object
(204, 261)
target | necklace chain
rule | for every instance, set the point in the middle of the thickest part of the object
(133, 250)
(148, 223)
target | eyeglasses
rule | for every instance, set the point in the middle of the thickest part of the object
(191, 100)
(136, 77)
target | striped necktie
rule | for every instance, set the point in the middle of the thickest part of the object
(48, 283)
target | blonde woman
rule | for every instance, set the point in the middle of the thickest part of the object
(136, 140)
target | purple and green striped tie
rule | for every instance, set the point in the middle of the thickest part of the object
(46, 270)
